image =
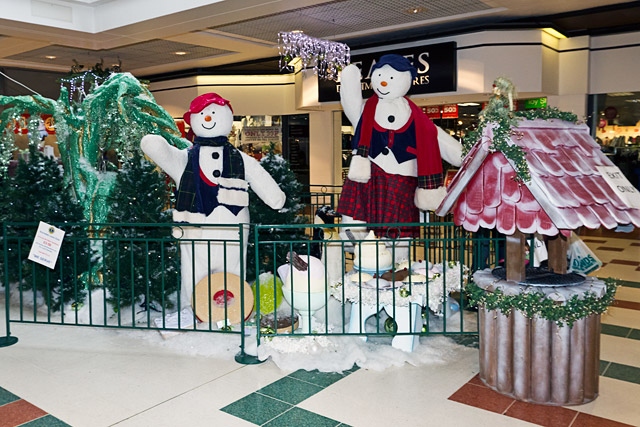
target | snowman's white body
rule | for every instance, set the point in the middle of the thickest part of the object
(392, 113)
(215, 245)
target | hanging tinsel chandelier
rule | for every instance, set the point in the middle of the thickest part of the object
(325, 57)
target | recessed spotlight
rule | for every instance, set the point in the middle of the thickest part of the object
(51, 57)
(180, 53)
(415, 10)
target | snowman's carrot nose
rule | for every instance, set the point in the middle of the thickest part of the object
(383, 84)
(207, 118)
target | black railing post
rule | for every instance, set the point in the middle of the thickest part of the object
(242, 356)
(7, 340)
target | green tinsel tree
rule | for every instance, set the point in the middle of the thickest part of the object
(113, 118)
(262, 214)
(140, 262)
(37, 192)
(104, 114)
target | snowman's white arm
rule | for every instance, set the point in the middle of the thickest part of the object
(351, 93)
(172, 160)
(450, 148)
(262, 183)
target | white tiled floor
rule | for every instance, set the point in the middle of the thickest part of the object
(104, 377)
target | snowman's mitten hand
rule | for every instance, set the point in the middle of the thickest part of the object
(152, 143)
(350, 75)
(429, 200)
(360, 169)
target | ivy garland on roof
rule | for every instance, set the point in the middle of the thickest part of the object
(500, 115)
(538, 304)
(547, 114)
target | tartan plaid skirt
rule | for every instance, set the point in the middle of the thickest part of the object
(386, 198)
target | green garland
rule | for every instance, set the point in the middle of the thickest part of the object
(537, 304)
(506, 120)
(547, 114)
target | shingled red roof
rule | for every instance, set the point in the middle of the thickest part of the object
(566, 190)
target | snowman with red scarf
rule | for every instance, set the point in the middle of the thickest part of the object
(212, 179)
(396, 167)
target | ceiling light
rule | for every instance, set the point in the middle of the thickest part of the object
(180, 53)
(51, 57)
(469, 104)
(415, 10)
(555, 33)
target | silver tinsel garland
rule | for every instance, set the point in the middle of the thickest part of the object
(325, 57)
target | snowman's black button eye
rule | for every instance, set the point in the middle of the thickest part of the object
(216, 174)
(215, 155)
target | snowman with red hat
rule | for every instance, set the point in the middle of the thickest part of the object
(212, 179)
(396, 167)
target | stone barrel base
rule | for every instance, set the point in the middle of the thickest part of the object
(537, 361)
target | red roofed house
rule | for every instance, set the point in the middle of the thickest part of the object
(566, 191)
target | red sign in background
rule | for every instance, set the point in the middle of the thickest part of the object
(433, 112)
(450, 111)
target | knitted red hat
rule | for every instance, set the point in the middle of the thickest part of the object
(200, 102)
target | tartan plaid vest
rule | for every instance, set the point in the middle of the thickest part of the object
(196, 196)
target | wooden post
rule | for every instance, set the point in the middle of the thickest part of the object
(515, 257)
(557, 248)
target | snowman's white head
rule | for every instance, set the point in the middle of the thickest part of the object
(392, 76)
(209, 116)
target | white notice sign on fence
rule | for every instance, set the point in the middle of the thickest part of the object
(46, 245)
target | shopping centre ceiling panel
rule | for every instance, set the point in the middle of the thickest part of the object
(140, 55)
(340, 19)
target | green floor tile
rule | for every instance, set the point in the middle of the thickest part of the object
(301, 417)
(623, 372)
(256, 408)
(618, 331)
(635, 334)
(603, 367)
(629, 284)
(322, 379)
(7, 397)
(46, 421)
(290, 390)
(351, 371)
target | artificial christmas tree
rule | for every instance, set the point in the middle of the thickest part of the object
(36, 193)
(140, 262)
(290, 213)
